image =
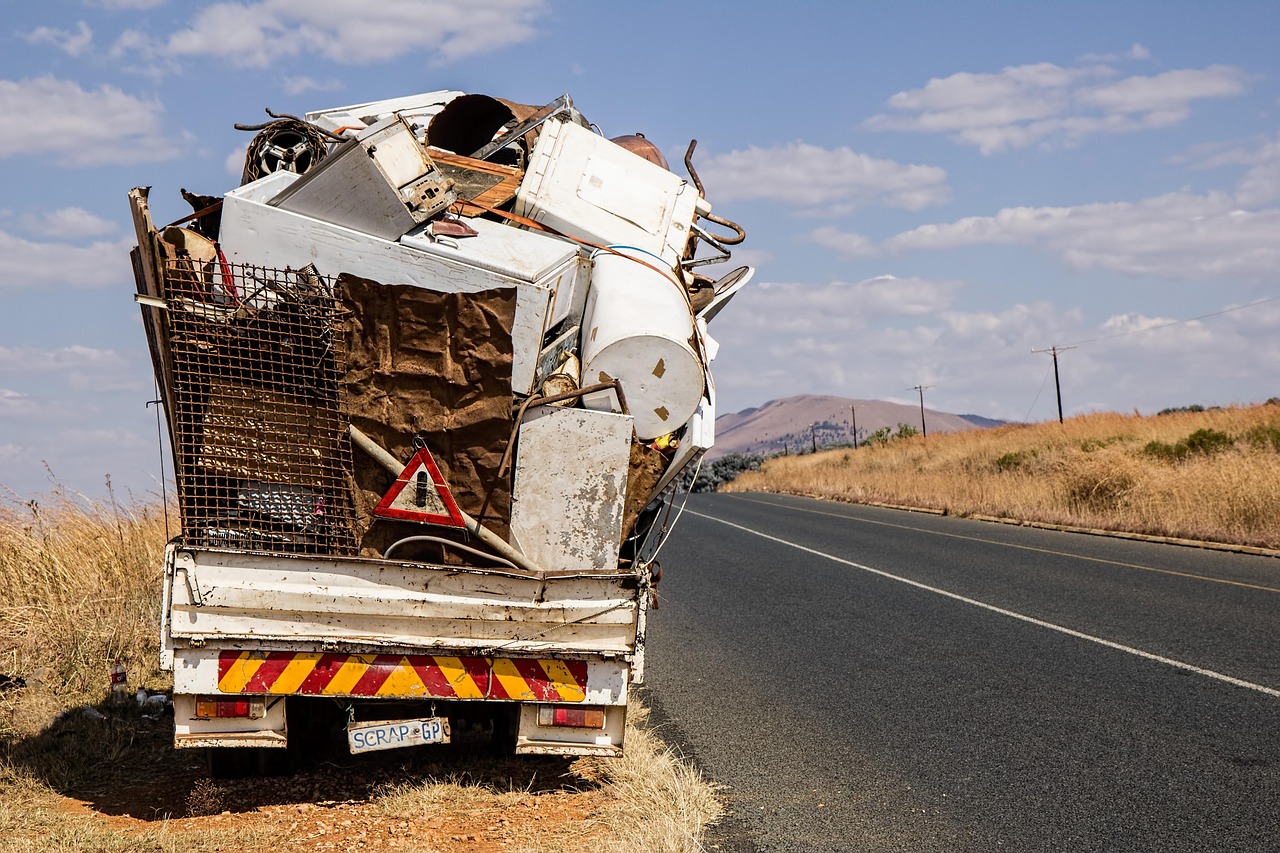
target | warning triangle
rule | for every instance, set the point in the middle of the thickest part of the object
(420, 494)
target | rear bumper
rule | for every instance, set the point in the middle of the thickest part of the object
(358, 678)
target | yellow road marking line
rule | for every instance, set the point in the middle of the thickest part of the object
(1020, 547)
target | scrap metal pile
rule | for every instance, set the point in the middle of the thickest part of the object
(447, 328)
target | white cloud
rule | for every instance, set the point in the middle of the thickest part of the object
(1026, 104)
(832, 181)
(27, 360)
(847, 244)
(1135, 51)
(73, 44)
(28, 265)
(234, 164)
(257, 35)
(17, 405)
(84, 369)
(80, 127)
(68, 222)
(1178, 235)
(1261, 183)
(302, 85)
(125, 5)
(875, 339)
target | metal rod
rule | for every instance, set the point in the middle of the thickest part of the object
(488, 537)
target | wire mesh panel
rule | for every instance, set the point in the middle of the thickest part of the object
(260, 438)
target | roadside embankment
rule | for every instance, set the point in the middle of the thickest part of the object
(1211, 476)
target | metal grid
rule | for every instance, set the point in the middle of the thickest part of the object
(260, 439)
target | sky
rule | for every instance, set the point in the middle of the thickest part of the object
(931, 191)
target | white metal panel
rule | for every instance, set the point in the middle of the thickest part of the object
(569, 486)
(244, 600)
(421, 106)
(253, 232)
(381, 183)
(590, 188)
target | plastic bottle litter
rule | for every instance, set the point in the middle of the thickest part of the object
(119, 682)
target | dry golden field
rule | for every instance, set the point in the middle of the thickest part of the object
(80, 586)
(1212, 475)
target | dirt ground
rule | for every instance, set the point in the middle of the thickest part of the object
(117, 784)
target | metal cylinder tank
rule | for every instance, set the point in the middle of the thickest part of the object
(637, 328)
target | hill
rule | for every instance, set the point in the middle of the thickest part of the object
(793, 423)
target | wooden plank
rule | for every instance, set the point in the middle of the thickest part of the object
(490, 184)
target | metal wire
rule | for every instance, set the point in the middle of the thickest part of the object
(263, 458)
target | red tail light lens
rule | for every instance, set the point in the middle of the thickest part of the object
(571, 716)
(211, 707)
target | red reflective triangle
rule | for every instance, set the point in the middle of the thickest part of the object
(420, 494)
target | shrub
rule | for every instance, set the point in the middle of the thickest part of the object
(1264, 437)
(1166, 452)
(1203, 442)
(725, 470)
(1207, 441)
(1014, 461)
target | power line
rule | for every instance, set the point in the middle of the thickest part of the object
(1056, 384)
(1012, 358)
(1179, 322)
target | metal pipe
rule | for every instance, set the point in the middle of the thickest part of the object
(449, 543)
(488, 537)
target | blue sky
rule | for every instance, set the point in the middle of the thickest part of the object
(930, 190)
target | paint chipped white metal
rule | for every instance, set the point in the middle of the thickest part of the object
(569, 487)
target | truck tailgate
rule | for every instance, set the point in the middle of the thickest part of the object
(235, 599)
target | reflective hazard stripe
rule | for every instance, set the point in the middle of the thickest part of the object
(409, 676)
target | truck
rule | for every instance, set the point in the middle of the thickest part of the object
(432, 375)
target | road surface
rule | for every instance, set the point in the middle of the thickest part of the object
(866, 679)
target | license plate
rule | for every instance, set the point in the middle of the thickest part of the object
(393, 734)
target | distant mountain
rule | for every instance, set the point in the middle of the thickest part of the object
(793, 423)
(980, 421)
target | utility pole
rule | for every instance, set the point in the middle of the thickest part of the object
(853, 414)
(924, 432)
(1056, 384)
(813, 434)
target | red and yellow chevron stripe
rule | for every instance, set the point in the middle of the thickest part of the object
(402, 676)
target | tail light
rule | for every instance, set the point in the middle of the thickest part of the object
(572, 716)
(211, 707)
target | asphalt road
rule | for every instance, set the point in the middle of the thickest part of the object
(864, 679)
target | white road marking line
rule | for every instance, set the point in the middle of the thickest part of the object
(1208, 673)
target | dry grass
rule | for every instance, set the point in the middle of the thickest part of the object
(660, 802)
(1104, 471)
(79, 586)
